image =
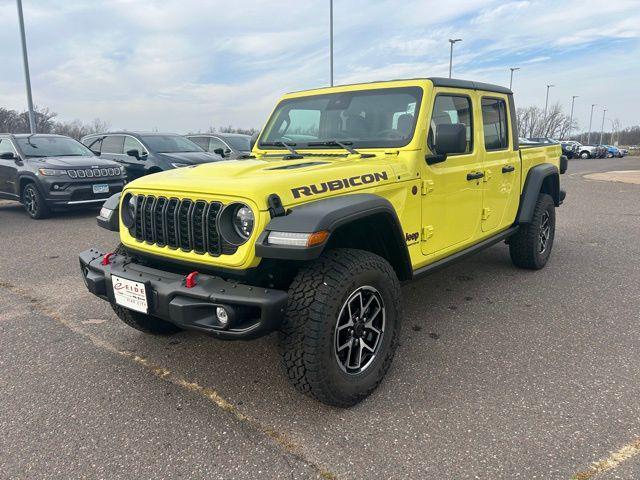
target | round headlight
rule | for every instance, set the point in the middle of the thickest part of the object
(235, 223)
(243, 221)
(129, 210)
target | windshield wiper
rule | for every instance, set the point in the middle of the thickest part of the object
(293, 155)
(344, 145)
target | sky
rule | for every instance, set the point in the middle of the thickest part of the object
(186, 65)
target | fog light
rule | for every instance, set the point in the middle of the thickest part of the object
(223, 316)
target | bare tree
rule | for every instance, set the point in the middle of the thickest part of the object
(532, 122)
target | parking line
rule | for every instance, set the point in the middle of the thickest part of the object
(612, 461)
(167, 375)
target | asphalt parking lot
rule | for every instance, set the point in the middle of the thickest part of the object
(501, 373)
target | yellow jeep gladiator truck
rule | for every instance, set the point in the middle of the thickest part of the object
(349, 191)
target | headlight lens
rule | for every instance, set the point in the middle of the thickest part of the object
(50, 172)
(129, 210)
(243, 221)
(236, 223)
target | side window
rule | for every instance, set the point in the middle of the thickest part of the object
(494, 122)
(202, 142)
(216, 143)
(6, 146)
(450, 109)
(93, 143)
(113, 144)
(131, 143)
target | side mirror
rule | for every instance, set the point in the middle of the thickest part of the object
(450, 139)
(134, 153)
(218, 151)
(8, 156)
(254, 139)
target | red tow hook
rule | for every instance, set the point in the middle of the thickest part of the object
(107, 258)
(190, 281)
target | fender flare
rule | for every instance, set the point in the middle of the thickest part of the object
(28, 177)
(330, 214)
(544, 175)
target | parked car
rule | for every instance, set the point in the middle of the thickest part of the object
(624, 152)
(613, 151)
(54, 172)
(591, 151)
(227, 145)
(144, 153)
(314, 239)
(570, 148)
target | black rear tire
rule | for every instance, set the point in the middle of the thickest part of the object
(312, 330)
(34, 203)
(531, 245)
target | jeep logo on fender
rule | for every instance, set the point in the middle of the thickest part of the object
(332, 185)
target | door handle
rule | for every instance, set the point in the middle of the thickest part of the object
(508, 168)
(474, 175)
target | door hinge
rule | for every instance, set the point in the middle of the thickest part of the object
(485, 213)
(487, 175)
(427, 186)
(427, 232)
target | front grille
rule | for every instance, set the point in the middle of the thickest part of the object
(186, 224)
(94, 172)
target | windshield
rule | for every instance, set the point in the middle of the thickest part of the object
(381, 118)
(52, 147)
(239, 143)
(169, 144)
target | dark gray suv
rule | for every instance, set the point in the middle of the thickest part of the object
(145, 153)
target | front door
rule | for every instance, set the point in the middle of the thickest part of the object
(452, 190)
(501, 165)
(8, 170)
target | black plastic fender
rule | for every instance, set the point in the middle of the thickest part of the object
(112, 221)
(329, 215)
(541, 178)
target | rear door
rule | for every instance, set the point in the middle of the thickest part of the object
(112, 146)
(452, 195)
(501, 164)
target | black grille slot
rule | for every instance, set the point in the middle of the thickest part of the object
(198, 226)
(185, 224)
(172, 221)
(159, 222)
(213, 238)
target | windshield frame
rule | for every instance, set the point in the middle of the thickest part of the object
(23, 145)
(416, 90)
(144, 139)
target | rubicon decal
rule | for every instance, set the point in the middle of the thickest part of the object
(340, 184)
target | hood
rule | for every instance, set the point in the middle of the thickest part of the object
(295, 181)
(192, 158)
(77, 162)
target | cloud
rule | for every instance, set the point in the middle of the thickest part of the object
(184, 65)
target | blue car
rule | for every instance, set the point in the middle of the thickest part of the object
(613, 151)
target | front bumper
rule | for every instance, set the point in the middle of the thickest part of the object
(76, 193)
(255, 311)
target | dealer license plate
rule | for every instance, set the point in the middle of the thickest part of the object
(130, 294)
(101, 188)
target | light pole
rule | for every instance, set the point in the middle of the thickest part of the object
(546, 103)
(331, 39)
(513, 69)
(27, 77)
(590, 120)
(452, 41)
(604, 111)
(573, 101)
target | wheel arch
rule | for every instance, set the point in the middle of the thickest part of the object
(23, 180)
(360, 221)
(543, 178)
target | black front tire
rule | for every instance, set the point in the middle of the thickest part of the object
(317, 300)
(34, 203)
(531, 245)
